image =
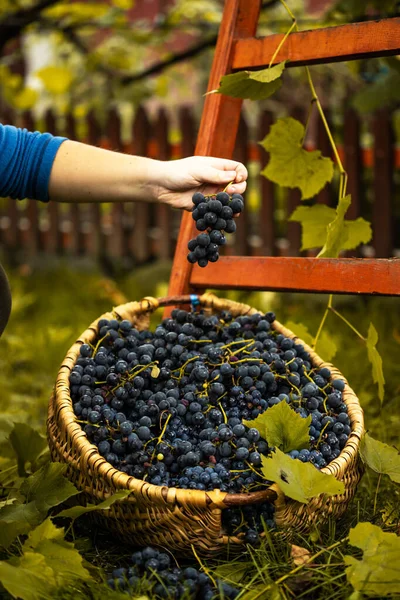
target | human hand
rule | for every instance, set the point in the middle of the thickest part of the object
(176, 181)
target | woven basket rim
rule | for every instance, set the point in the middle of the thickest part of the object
(216, 498)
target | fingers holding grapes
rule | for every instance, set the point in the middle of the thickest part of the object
(214, 217)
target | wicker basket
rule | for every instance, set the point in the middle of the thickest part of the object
(178, 518)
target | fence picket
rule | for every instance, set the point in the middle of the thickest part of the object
(266, 220)
(93, 232)
(32, 209)
(76, 246)
(53, 241)
(241, 244)
(382, 213)
(293, 200)
(115, 240)
(139, 243)
(163, 212)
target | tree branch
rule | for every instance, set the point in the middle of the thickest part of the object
(173, 60)
(13, 25)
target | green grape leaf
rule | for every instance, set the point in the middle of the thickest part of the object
(17, 519)
(6, 427)
(48, 487)
(326, 346)
(27, 443)
(61, 556)
(283, 428)
(377, 573)
(298, 480)
(253, 85)
(263, 592)
(27, 577)
(77, 511)
(380, 457)
(358, 232)
(301, 331)
(315, 220)
(269, 74)
(45, 531)
(56, 80)
(292, 166)
(336, 234)
(233, 572)
(376, 361)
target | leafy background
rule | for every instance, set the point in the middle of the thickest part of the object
(44, 557)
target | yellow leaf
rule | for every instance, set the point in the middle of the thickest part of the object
(124, 4)
(24, 100)
(57, 80)
(78, 12)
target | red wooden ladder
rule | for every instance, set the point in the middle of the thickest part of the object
(238, 49)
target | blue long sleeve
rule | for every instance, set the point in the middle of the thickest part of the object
(26, 159)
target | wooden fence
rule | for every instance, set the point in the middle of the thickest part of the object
(139, 232)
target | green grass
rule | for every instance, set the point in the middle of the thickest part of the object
(51, 309)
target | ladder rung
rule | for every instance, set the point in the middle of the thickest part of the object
(322, 275)
(330, 44)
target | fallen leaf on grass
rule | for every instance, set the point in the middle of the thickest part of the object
(299, 555)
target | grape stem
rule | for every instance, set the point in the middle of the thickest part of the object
(226, 187)
(283, 40)
(315, 340)
(160, 437)
(347, 323)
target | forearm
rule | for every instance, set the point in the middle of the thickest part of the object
(83, 173)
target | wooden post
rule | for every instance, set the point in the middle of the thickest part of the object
(116, 239)
(32, 209)
(353, 161)
(241, 154)
(163, 214)
(382, 221)
(139, 242)
(293, 201)
(95, 239)
(266, 221)
(53, 238)
(75, 210)
(323, 144)
(187, 128)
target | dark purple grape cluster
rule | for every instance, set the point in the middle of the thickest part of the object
(167, 406)
(213, 216)
(166, 581)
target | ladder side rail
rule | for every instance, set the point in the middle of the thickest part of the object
(318, 275)
(318, 46)
(219, 123)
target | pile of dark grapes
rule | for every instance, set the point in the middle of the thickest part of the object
(213, 216)
(167, 406)
(166, 581)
